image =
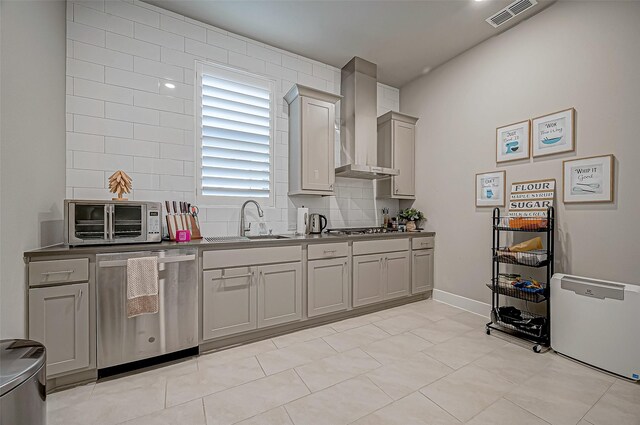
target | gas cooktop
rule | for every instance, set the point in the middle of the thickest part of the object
(359, 230)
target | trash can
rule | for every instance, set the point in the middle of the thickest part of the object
(22, 382)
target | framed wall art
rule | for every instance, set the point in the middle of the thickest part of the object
(588, 179)
(512, 142)
(490, 189)
(553, 133)
(531, 198)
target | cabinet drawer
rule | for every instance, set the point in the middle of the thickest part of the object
(423, 243)
(328, 250)
(58, 271)
(372, 247)
(250, 256)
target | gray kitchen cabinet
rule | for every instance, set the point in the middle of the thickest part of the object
(279, 294)
(398, 281)
(396, 149)
(311, 140)
(229, 301)
(368, 279)
(59, 318)
(422, 271)
(380, 277)
(327, 286)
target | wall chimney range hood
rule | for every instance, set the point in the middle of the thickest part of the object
(359, 123)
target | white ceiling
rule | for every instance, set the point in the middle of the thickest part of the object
(403, 37)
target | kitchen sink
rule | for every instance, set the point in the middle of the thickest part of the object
(267, 237)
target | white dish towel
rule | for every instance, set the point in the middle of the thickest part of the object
(142, 286)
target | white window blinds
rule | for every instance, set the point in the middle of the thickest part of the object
(235, 135)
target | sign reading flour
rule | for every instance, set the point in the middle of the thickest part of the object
(532, 198)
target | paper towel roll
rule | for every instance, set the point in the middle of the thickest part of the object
(301, 221)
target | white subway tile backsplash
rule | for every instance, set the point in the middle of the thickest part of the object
(95, 90)
(85, 33)
(85, 70)
(180, 27)
(85, 178)
(84, 142)
(157, 69)
(131, 147)
(157, 101)
(105, 21)
(264, 53)
(208, 51)
(182, 121)
(102, 56)
(130, 113)
(139, 125)
(133, 12)
(102, 161)
(134, 47)
(157, 36)
(157, 166)
(254, 65)
(133, 80)
(181, 152)
(227, 42)
(85, 106)
(94, 4)
(158, 134)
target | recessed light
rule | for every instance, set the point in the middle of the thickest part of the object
(170, 85)
(478, 0)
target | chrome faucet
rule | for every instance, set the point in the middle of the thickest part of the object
(243, 229)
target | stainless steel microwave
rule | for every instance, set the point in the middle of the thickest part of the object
(111, 222)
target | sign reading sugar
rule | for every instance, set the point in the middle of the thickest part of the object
(532, 198)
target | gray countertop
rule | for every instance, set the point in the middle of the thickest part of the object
(202, 244)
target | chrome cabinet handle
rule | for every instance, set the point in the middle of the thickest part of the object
(58, 272)
(329, 251)
(80, 298)
(223, 277)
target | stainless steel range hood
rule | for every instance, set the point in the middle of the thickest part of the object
(359, 123)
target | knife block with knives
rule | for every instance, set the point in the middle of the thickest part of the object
(182, 217)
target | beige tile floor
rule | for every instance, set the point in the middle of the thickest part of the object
(424, 363)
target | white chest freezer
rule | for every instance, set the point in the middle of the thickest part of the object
(597, 322)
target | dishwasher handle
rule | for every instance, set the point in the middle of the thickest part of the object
(163, 260)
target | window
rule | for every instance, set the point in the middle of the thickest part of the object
(235, 124)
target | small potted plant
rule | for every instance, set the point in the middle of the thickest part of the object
(413, 218)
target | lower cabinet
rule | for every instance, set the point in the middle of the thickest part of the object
(241, 299)
(229, 301)
(279, 294)
(379, 277)
(59, 318)
(422, 268)
(327, 286)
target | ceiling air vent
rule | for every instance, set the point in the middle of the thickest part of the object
(515, 8)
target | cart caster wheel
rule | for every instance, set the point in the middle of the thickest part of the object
(488, 331)
(537, 348)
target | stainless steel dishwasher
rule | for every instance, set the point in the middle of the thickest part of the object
(175, 326)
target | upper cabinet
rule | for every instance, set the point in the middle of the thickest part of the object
(312, 116)
(396, 149)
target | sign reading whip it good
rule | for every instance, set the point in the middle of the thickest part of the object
(532, 198)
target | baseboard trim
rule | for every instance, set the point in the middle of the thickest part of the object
(473, 306)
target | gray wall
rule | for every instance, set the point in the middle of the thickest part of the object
(574, 54)
(33, 143)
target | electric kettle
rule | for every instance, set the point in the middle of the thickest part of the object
(315, 223)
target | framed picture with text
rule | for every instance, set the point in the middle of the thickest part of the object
(588, 179)
(490, 189)
(553, 133)
(512, 142)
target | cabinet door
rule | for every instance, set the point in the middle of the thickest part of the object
(422, 279)
(59, 318)
(327, 286)
(318, 141)
(228, 301)
(279, 294)
(398, 281)
(404, 158)
(368, 279)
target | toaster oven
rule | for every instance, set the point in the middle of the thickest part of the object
(112, 222)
